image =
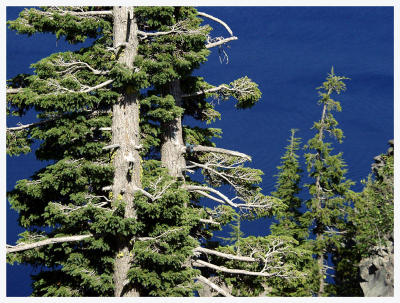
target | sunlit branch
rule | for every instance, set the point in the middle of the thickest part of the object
(76, 65)
(26, 246)
(213, 286)
(14, 90)
(201, 263)
(221, 42)
(86, 89)
(225, 255)
(201, 189)
(159, 236)
(200, 148)
(30, 125)
(209, 221)
(216, 20)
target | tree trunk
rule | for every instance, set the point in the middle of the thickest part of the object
(320, 257)
(125, 133)
(321, 271)
(172, 147)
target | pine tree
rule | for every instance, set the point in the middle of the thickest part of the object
(290, 222)
(116, 214)
(330, 191)
(184, 149)
(287, 189)
(370, 226)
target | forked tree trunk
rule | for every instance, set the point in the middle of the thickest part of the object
(172, 147)
(125, 133)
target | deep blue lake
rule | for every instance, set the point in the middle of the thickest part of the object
(288, 51)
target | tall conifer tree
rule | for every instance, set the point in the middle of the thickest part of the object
(330, 191)
(287, 189)
(115, 214)
(291, 223)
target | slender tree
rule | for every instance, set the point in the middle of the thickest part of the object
(291, 223)
(330, 191)
(115, 214)
(287, 189)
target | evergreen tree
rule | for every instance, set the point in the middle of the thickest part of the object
(115, 213)
(330, 191)
(287, 189)
(184, 149)
(370, 225)
(291, 223)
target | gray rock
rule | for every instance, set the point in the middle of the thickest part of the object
(377, 272)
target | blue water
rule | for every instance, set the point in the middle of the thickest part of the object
(288, 51)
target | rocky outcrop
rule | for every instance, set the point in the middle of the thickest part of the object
(377, 270)
(379, 161)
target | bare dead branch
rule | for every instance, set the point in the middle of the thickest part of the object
(180, 28)
(225, 255)
(209, 221)
(26, 246)
(206, 91)
(209, 189)
(201, 263)
(216, 20)
(68, 209)
(71, 67)
(213, 286)
(221, 42)
(145, 193)
(85, 89)
(14, 90)
(25, 126)
(200, 148)
(112, 146)
(62, 11)
(159, 236)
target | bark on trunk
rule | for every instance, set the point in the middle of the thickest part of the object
(125, 133)
(320, 258)
(172, 147)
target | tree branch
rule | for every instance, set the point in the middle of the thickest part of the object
(24, 126)
(159, 236)
(26, 246)
(200, 148)
(145, 193)
(207, 91)
(201, 189)
(76, 65)
(14, 90)
(86, 90)
(179, 28)
(216, 20)
(225, 255)
(214, 286)
(63, 12)
(89, 13)
(220, 42)
(201, 263)
(209, 221)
